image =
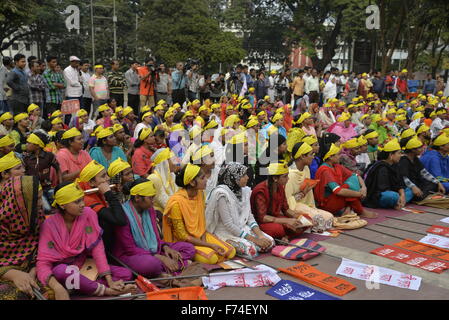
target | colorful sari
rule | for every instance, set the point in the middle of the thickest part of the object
(20, 221)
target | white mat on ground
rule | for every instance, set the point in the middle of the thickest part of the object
(436, 240)
(370, 273)
(445, 220)
(264, 276)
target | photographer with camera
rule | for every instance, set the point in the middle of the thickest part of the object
(148, 79)
(192, 80)
(179, 81)
(217, 87)
(163, 84)
(281, 86)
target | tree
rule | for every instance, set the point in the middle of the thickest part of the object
(176, 30)
(15, 16)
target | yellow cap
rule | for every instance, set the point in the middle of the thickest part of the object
(310, 140)
(371, 135)
(118, 110)
(106, 132)
(9, 161)
(81, 113)
(407, 133)
(117, 166)
(332, 151)
(277, 169)
(127, 111)
(90, 171)
(238, 138)
(73, 132)
(231, 120)
(56, 113)
(362, 141)
(304, 116)
(162, 155)
(103, 107)
(413, 143)
(68, 194)
(32, 107)
(117, 127)
(6, 116)
(56, 121)
(202, 152)
(400, 118)
(390, 146)
(364, 117)
(20, 117)
(344, 116)
(147, 114)
(144, 189)
(422, 128)
(251, 123)
(190, 173)
(34, 139)
(441, 140)
(162, 101)
(351, 144)
(6, 141)
(418, 115)
(177, 127)
(211, 125)
(144, 133)
(276, 117)
(158, 107)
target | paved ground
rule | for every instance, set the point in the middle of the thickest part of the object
(433, 286)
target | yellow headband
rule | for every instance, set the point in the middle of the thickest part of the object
(145, 133)
(32, 138)
(194, 132)
(144, 189)
(177, 127)
(98, 66)
(81, 113)
(332, 151)
(90, 171)
(305, 148)
(362, 141)
(413, 143)
(407, 133)
(159, 107)
(190, 173)
(6, 141)
(391, 146)
(20, 116)
(168, 114)
(441, 140)
(32, 107)
(9, 161)
(231, 120)
(310, 140)
(103, 107)
(418, 115)
(238, 138)
(276, 117)
(117, 127)
(118, 110)
(277, 169)
(68, 194)
(202, 152)
(162, 101)
(56, 121)
(127, 111)
(371, 135)
(106, 132)
(74, 132)
(96, 131)
(147, 114)
(351, 144)
(401, 117)
(303, 117)
(251, 123)
(212, 124)
(422, 128)
(117, 166)
(162, 156)
(6, 116)
(57, 113)
(344, 116)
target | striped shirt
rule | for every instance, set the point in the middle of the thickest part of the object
(100, 86)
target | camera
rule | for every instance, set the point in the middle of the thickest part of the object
(151, 67)
(189, 63)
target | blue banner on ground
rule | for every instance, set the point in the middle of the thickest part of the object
(290, 290)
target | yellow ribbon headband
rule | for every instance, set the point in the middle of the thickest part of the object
(305, 148)
(90, 171)
(68, 194)
(190, 173)
(9, 161)
(6, 141)
(117, 166)
(33, 138)
(277, 169)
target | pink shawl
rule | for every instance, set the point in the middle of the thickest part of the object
(344, 133)
(56, 244)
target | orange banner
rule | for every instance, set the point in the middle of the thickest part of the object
(309, 274)
(424, 248)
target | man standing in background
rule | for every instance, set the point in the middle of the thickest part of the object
(72, 77)
(179, 80)
(17, 80)
(98, 86)
(133, 82)
(85, 76)
(163, 84)
(4, 70)
(54, 83)
(117, 83)
(37, 85)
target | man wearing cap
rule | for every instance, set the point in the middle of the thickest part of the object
(116, 83)
(72, 77)
(98, 85)
(55, 85)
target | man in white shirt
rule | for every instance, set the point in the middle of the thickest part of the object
(192, 82)
(312, 87)
(439, 123)
(85, 76)
(271, 90)
(72, 77)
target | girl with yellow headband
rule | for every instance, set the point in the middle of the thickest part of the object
(385, 186)
(275, 151)
(436, 160)
(299, 188)
(416, 176)
(184, 218)
(163, 177)
(270, 208)
(139, 244)
(129, 121)
(20, 131)
(104, 114)
(144, 149)
(351, 149)
(39, 162)
(339, 190)
(34, 113)
(72, 158)
(21, 222)
(107, 150)
(124, 140)
(6, 123)
(313, 142)
(70, 237)
(372, 137)
(7, 144)
(121, 173)
(147, 120)
(11, 166)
